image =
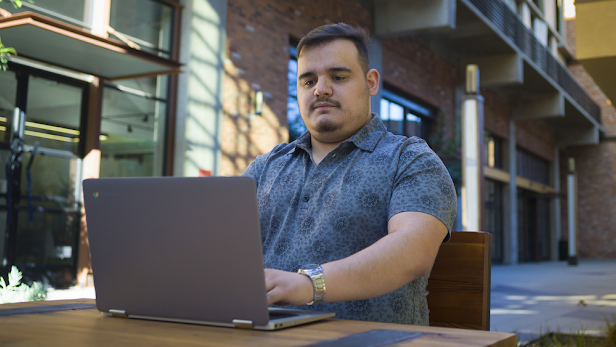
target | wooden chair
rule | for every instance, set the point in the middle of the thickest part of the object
(459, 284)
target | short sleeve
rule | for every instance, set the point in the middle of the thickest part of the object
(255, 168)
(423, 184)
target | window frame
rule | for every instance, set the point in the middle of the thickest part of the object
(292, 56)
(410, 105)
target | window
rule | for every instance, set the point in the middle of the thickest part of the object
(133, 128)
(69, 11)
(404, 117)
(532, 167)
(493, 151)
(148, 23)
(294, 119)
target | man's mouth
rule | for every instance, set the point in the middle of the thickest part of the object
(324, 104)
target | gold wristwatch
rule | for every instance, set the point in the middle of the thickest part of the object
(315, 273)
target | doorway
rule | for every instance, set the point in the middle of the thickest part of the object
(533, 227)
(42, 117)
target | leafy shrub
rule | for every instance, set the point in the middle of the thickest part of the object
(16, 292)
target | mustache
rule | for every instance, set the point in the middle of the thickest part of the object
(326, 101)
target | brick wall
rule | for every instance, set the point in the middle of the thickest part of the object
(535, 138)
(595, 167)
(420, 73)
(497, 113)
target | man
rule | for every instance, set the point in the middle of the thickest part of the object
(368, 208)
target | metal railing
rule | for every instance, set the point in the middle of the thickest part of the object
(509, 23)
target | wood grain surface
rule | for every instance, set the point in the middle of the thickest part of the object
(88, 327)
(459, 284)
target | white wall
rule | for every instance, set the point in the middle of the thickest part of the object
(200, 88)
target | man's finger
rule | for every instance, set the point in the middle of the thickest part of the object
(269, 281)
(273, 296)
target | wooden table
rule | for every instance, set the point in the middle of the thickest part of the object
(87, 327)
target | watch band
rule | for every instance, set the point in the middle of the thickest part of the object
(315, 273)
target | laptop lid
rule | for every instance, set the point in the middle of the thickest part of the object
(179, 248)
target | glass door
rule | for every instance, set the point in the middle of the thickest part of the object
(42, 202)
(8, 96)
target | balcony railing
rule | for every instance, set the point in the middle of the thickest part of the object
(509, 23)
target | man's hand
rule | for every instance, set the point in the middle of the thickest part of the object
(287, 288)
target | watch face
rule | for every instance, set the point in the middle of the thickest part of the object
(310, 267)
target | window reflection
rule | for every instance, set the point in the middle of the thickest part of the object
(71, 11)
(54, 114)
(148, 23)
(401, 119)
(493, 150)
(294, 118)
(132, 134)
(8, 92)
(49, 239)
(413, 125)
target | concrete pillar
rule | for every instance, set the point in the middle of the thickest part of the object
(555, 207)
(200, 88)
(375, 55)
(511, 240)
(572, 212)
(472, 153)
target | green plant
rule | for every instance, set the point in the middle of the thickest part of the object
(16, 292)
(5, 52)
(609, 332)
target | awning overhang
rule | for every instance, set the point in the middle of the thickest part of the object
(595, 32)
(50, 41)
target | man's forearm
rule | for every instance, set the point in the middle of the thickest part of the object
(406, 253)
(393, 261)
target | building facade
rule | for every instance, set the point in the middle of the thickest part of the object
(122, 88)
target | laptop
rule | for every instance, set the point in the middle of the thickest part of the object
(181, 249)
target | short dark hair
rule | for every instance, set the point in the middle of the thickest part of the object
(340, 31)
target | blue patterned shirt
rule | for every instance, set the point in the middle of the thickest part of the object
(315, 214)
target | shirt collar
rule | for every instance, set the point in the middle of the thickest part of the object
(369, 136)
(366, 138)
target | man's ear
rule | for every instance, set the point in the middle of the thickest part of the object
(373, 78)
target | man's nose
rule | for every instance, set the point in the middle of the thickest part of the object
(323, 88)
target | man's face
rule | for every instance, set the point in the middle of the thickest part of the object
(333, 93)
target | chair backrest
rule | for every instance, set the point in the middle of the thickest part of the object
(459, 284)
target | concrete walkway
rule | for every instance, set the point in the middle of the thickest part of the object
(529, 299)
(71, 293)
(533, 299)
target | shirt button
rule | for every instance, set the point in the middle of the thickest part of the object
(334, 156)
(306, 198)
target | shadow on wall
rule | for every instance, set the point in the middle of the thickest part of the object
(246, 135)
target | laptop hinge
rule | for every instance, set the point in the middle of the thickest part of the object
(118, 313)
(243, 324)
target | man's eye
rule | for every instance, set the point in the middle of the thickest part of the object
(308, 83)
(338, 78)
